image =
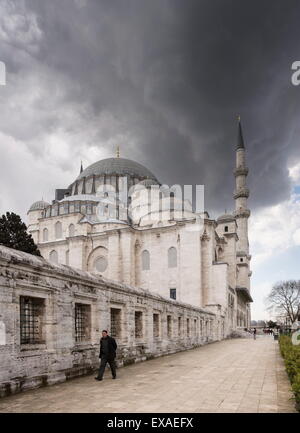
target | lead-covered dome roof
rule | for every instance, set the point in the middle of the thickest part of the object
(39, 205)
(117, 166)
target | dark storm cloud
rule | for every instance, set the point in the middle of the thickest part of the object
(174, 75)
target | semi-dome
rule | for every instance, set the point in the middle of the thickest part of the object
(117, 166)
(38, 205)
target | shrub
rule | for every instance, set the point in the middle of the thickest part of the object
(291, 355)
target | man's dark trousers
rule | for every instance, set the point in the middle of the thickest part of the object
(112, 364)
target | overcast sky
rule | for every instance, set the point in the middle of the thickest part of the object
(164, 80)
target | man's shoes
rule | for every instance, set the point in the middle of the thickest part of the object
(98, 378)
(114, 377)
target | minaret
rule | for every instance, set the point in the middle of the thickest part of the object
(241, 194)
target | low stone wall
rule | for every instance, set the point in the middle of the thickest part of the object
(146, 325)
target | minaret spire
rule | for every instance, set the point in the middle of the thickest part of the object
(240, 140)
(81, 168)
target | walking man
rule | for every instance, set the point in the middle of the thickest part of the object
(108, 347)
(254, 333)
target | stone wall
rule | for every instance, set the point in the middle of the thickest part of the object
(59, 291)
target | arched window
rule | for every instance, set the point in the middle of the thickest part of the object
(71, 230)
(58, 230)
(145, 260)
(100, 264)
(53, 257)
(172, 257)
(67, 257)
(45, 235)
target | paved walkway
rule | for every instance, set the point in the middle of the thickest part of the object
(240, 375)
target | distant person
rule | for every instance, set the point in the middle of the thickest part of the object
(254, 333)
(108, 347)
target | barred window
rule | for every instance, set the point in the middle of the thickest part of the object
(169, 326)
(179, 326)
(155, 325)
(138, 324)
(31, 320)
(188, 327)
(173, 294)
(115, 322)
(195, 327)
(82, 322)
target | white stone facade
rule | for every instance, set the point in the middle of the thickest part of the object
(154, 250)
(48, 345)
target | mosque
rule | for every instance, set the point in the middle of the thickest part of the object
(118, 221)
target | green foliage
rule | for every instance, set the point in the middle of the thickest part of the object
(13, 234)
(271, 324)
(291, 355)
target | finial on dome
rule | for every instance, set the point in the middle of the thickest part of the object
(118, 152)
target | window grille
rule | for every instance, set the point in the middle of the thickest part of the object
(115, 322)
(31, 315)
(82, 322)
(188, 327)
(173, 294)
(169, 326)
(156, 325)
(138, 324)
(179, 326)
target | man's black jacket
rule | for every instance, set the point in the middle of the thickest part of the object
(112, 347)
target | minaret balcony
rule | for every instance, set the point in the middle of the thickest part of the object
(241, 171)
(242, 213)
(242, 192)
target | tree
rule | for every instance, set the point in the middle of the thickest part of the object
(284, 299)
(13, 234)
(271, 324)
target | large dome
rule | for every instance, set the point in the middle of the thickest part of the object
(117, 166)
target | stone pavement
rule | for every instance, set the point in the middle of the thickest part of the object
(239, 375)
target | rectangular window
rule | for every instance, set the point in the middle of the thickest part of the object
(138, 324)
(188, 327)
(169, 326)
(31, 320)
(173, 293)
(82, 322)
(201, 328)
(179, 326)
(115, 322)
(195, 327)
(155, 325)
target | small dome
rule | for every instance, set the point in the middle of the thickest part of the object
(39, 205)
(226, 217)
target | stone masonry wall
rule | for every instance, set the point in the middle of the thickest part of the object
(59, 355)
